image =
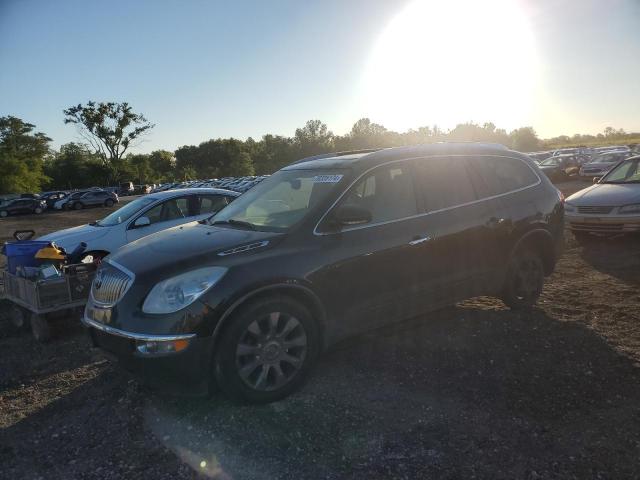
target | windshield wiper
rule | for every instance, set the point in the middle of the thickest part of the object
(235, 223)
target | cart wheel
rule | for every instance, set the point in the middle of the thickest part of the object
(18, 317)
(40, 328)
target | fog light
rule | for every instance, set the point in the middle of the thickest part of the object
(160, 347)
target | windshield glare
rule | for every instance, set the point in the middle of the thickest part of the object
(125, 213)
(282, 200)
(626, 172)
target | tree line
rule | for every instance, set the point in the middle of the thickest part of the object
(108, 130)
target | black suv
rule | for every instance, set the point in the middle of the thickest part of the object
(23, 205)
(325, 248)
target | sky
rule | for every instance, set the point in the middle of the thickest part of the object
(207, 69)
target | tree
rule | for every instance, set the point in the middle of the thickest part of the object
(110, 128)
(163, 165)
(22, 154)
(75, 166)
(524, 139)
(272, 153)
(314, 138)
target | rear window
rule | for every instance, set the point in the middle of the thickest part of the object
(445, 182)
(498, 175)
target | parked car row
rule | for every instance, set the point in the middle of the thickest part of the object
(237, 184)
(587, 163)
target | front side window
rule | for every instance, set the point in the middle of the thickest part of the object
(498, 175)
(387, 193)
(445, 182)
(172, 209)
(281, 201)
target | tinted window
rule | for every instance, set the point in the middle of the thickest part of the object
(387, 192)
(445, 182)
(169, 210)
(497, 175)
(211, 203)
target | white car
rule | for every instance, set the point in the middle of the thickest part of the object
(142, 217)
(611, 206)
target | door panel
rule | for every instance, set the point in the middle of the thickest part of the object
(371, 279)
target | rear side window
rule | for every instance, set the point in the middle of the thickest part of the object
(211, 203)
(387, 192)
(498, 175)
(445, 182)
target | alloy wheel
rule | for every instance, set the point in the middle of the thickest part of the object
(271, 351)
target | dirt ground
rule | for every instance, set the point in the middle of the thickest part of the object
(472, 391)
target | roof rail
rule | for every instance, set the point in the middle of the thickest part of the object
(335, 154)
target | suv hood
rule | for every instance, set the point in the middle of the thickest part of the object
(70, 238)
(183, 247)
(607, 194)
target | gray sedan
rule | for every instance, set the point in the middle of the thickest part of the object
(611, 206)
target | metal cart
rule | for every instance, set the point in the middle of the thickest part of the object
(36, 301)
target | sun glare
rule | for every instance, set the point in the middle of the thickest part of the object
(444, 62)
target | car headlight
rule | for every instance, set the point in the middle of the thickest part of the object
(630, 208)
(569, 208)
(175, 293)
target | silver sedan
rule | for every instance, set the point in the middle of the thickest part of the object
(610, 206)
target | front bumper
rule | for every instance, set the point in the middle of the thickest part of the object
(604, 224)
(187, 371)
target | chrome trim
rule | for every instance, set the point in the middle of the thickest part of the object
(315, 230)
(126, 271)
(244, 248)
(142, 337)
(418, 241)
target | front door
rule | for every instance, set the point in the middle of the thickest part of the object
(167, 214)
(372, 277)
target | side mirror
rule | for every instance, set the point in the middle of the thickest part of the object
(597, 179)
(351, 215)
(142, 222)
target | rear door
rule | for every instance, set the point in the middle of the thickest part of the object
(451, 261)
(167, 214)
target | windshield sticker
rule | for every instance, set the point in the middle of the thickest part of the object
(327, 178)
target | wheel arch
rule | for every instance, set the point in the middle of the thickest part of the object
(297, 292)
(541, 241)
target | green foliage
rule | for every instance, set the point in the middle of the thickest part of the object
(524, 139)
(22, 154)
(213, 159)
(75, 166)
(110, 128)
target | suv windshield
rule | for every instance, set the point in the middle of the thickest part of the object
(626, 172)
(281, 201)
(126, 212)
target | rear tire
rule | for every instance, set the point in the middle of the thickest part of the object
(40, 328)
(266, 350)
(525, 279)
(108, 203)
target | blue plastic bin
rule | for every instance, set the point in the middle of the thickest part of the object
(22, 253)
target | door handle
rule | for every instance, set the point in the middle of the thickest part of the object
(420, 239)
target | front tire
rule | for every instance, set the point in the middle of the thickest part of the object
(108, 203)
(524, 282)
(37, 211)
(266, 351)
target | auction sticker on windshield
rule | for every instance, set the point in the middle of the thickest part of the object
(327, 178)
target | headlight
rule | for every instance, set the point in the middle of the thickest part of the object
(630, 208)
(569, 208)
(177, 292)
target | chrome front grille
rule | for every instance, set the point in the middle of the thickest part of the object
(595, 210)
(110, 285)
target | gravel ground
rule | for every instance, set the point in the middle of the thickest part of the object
(472, 391)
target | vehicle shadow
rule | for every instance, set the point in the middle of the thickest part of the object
(615, 256)
(472, 390)
(93, 431)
